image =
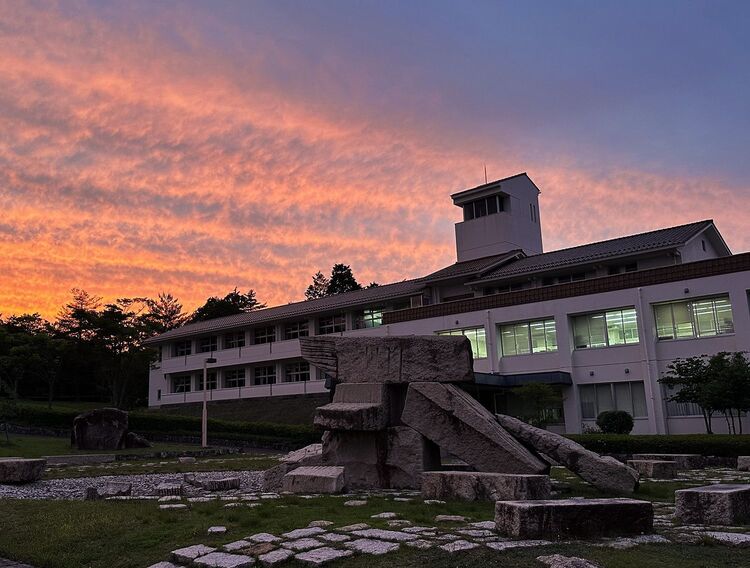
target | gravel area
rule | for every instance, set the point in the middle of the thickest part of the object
(143, 485)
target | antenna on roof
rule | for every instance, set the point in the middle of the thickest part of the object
(485, 173)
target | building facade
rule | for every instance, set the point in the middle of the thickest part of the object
(597, 322)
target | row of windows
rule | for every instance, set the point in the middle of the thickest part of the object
(297, 371)
(627, 396)
(674, 320)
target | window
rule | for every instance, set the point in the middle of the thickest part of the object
(265, 375)
(265, 334)
(528, 337)
(207, 344)
(297, 372)
(295, 330)
(213, 383)
(483, 207)
(181, 383)
(333, 324)
(371, 317)
(694, 318)
(606, 329)
(627, 396)
(234, 378)
(680, 408)
(476, 337)
(234, 339)
(182, 348)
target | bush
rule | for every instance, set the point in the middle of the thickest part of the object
(615, 422)
(721, 445)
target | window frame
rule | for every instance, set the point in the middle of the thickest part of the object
(238, 377)
(613, 398)
(369, 318)
(261, 338)
(604, 314)
(264, 376)
(296, 329)
(187, 345)
(297, 369)
(213, 344)
(476, 353)
(690, 306)
(212, 378)
(548, 322)
(237, 337)
(337, 324)
(187, 384)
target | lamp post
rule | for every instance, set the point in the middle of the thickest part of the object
(204, 421)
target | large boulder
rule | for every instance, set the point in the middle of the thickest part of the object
(100, 429)
(21, 470)
(602, 472)
(413, 358)
(459, 424)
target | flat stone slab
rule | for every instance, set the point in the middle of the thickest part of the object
(190, 553)
(349, 416)
(334, 537)
(21, 470)
(79, 459)
(159, 565)
(579, 518)
(459, 424)
(480, 486)
(406, 359)
(223, 484)
(732, 539)
(263, 537)
(173, 507)
(106, 490)
(369, 546)
(458, 546)
(302, 544)
(560, 561)
(275, 557)
(320, 556)
(224, 560)
(301, 533)
(682, 461)
(315, 479)
(217, 530)
(237, 545)
(654, 469)
(719, 504)
(396, 536)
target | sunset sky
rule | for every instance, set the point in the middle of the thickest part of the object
(192, 147)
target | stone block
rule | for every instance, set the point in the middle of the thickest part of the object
(602, 472)
(681, 461)
(560, 561)
(351, 416)
(743, 463)
(272, 478)
(720, 504)
(21, 470)
(654, 469)
(110, 489)
(479, 486)
(408, 455)
(315, 479)
(391, 359)
(372, 393)
(222, 484)
(164, 489)
(459, 424)
(573, 518)
(363, 454)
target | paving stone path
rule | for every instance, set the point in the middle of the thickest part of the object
(13, 564)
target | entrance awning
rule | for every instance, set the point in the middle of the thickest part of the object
(506, 381)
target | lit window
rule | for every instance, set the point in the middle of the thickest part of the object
(234, 378)
(182, 348)
(207, 344)
(627, 396)
(528, 337)
(614, 327)
(234, 339)
(181, 383)
(371, 317)
(694, 318)
(295, 330)
(476, 336)
(264, 334)
(333, 324)
(213, 384)
(265, 375)
(297, 372)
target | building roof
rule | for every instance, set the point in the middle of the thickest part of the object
(295, 310)
(488, 185)
(623, 246)
(472, 267)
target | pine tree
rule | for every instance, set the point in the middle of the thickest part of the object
(342, 280)
(318, 288)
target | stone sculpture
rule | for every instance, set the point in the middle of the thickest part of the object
(104, 429)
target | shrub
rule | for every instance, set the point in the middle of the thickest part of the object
(615, 422)
(721, 445)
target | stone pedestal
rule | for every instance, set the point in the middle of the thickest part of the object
(363, 454)
(654, 469)
(315, 479)
(573, 518)
(477, 486)
(743, 463)
(720, 504)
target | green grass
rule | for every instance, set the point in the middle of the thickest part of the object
(72, 534)
(36, 446)
(75, 405)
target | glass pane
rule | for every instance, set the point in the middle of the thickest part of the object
(588, 401)
(623, 401)
(630, 326)
(508, 340)
(615, 331)
(724, 315)
(639, 400)
(604, 398)
(538, 337)
(468, 212)
(551, 332)
(596, 331)
(491, 205)
(522, 338)
(663, 316)
(705, 319)
(480, 208)
(479, 344)
(683, 321)
(581, 332)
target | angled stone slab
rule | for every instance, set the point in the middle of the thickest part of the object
(315, 479)
(459, 424)
(720, 504)
(573, 518)
(404, 359)
(654, 469)
(481, 486)
(602, 472)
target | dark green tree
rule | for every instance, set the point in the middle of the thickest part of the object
(163, 313)
(342, 280)
(539, 402)
(233, 303)
(318, 288)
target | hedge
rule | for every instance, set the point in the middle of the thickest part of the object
(721, 445)
(153, 422)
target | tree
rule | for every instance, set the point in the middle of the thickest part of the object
(164, 313)
(233, 303)
(318, 288)
(538, 401)
(342, 280)
(76, 317)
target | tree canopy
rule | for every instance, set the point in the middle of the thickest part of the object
(233, 303)
(341, 280)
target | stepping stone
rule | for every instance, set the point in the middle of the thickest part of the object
(399, 523)
(320, 524)
(315, 479)
(223, 484)
(175, 507)
(720, 504)
(654, 469)
(384, 516)
(560, 561)
(508, 545)
(369, 546)
(169, 498)
(420, 544)
(458, 545)
(682, 461)
(403, 499)
(333, 537)
(190, 553)
(263, 537)
(448, 537)
(275, 557)
(434, 502)
(302, 544)
(217, 530)
(223, 560)
(157, 565)
(476, 533)
(320, 556)
(186, 459)
(199, 499)
(355, 503)
(356, 527)
(565, 518)
(259, 548)
(299, 533)
(164, 489)
(417, 530)
(450, 519)
(480, 486)
(237, 545)
(398, 536)
(732, 539)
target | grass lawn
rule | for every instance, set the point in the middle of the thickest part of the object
(36, 446)
(78, 406)
(72, 534)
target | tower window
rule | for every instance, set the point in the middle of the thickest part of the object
(483, 207)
